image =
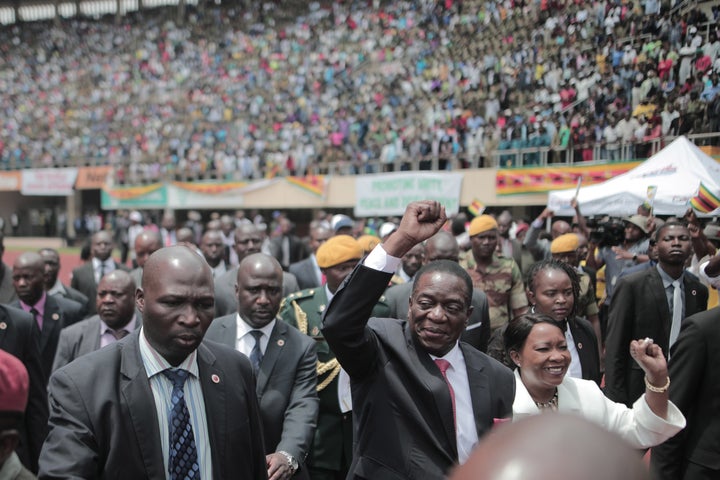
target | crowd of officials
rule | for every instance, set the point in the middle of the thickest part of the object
(232, 95)
(364, 352)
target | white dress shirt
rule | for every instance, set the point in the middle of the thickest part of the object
(575, 368)
(245, 342)
(109, 265)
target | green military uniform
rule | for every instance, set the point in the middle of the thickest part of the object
(332, 446)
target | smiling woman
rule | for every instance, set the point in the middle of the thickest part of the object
(537, 345)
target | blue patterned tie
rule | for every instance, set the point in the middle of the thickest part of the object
(183, 461)
(256, 355)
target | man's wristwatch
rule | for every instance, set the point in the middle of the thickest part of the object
(292, 463)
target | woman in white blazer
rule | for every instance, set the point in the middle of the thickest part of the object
(537, 346)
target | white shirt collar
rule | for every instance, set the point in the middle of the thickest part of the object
(243, 328)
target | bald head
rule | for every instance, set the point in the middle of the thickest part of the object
(185, 236)
(146, 243)
(259, 289)
(442, 246)
(28, 277)
(115, 299)
(552, 447)
(559, 227)
(248, 240)
(177, 300)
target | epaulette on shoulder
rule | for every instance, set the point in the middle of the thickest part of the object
(308, 292)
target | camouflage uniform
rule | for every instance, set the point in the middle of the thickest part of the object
(587, 302)
(332, 445)
(502, 283)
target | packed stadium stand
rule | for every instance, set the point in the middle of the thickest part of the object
(227, 92)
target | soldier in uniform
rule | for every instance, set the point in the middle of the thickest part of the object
(331, 453)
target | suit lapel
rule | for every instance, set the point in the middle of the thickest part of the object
(438, 390)
(228, 331)
(581, 341)
(52, 316)
(4, 324)
(90, 340)
(478, 385)
(655, 284)
(212, 382)
(140, 406)
(273, 352)
(691, 297)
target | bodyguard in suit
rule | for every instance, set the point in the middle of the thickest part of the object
(139, 406)
(646, 304)
(146, 243)
(287, 248)
(284, 361)
(19, 336)
(52, 313)
(307, 271)
(7, 291)
(86, 277)
(421, 399)
(694, 453)
(444, 246)
(116, 318)
(53, 285)
(331, 453)
(248, 240)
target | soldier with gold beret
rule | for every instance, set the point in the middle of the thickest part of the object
(331, 453)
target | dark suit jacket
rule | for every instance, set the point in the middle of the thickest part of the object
(477, 332)
(298, 249)
(639, 309)
(694, 453)
(587, 347)
(83, 279)
(401, 404)
(76, 295)
(304, 271)
(59, 313)
(7, 289)
(226, 299)
(103, 422)
(286, 385)
(19, 336)
(80, 339)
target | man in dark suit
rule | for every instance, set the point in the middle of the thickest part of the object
(307, 271)
(287, 248)
(284, 360)
(443, 394)
(146, 243)
(53, 285)
(644, 305)
(248, 240)
(52, 313)
(444, 246)
(19, 336)
(694, 453)
(137, 407)
(86, 277)
(116, 318)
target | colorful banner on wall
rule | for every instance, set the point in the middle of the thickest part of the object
(389, 194)
(545, 179)
(10, 181)
(92, 178)
(145, 196)
(48, 181)
(209, 188)
(315, 184)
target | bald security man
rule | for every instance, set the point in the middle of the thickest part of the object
(284, 361)
(160, 403)
(51, 313)
(444, 246)
(116, 318)
(147, 242)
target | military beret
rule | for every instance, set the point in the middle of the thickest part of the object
(368, 242)
(482, 223)
(14, 384)
(338, 249)
(565, 243)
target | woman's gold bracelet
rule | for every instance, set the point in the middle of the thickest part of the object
(655, 389)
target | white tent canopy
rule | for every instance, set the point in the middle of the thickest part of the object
(676, 171)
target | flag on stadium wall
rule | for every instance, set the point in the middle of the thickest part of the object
(705, 201)
(476, 207)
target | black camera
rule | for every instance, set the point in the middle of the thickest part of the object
(610, 233)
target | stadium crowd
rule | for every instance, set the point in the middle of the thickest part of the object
(588, 304)
(354, 87)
